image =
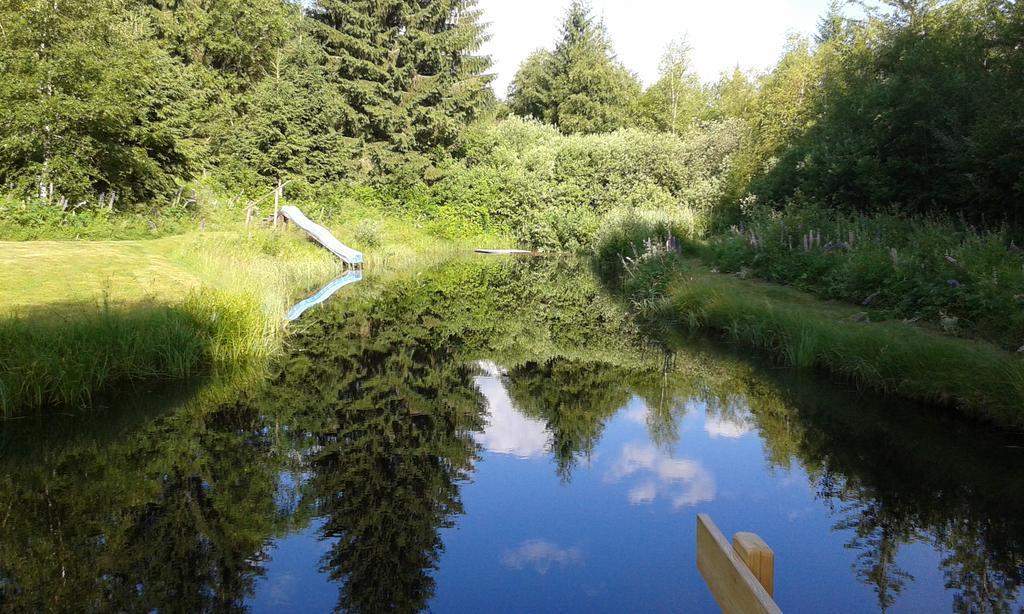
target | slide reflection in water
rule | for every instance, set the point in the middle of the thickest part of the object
(323, 294)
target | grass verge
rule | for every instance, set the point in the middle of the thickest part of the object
(976, 378)
(82, 318)
(65, 358)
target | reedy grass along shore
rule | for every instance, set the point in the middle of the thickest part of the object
(86, 318)
(976, 378)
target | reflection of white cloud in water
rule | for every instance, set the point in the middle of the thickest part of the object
(685, 482)
(507, 430)
(730, 419)
(540, 555)
(726, 428)
(644, 493)
(637, 415)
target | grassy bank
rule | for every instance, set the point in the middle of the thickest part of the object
(964, 280)
(894, 357)
(80, 318)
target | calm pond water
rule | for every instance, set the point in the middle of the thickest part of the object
(498, 436)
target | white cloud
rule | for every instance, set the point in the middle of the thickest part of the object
(685, 482)
(541, 555)
(507, 430)
(725, 428)
(724, 33)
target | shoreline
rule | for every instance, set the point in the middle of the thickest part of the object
(898, 359)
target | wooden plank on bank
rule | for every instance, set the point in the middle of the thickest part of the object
(321, 235)
(732, 584)
(504, 252)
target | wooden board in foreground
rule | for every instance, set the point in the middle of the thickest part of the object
(758, 557)
(732, 584)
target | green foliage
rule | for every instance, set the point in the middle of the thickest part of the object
(917, 108)
(955, 278)
(407, 74)
(230, 42)
(116, 103)
(293, 122)
(28, 220)
(88, 101)
(368, 233)
(554, 191)
(678, 98)
(531, 93)
(580, 87)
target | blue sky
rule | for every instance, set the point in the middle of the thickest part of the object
(722, 33)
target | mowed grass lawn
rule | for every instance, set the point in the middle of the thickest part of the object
(53, 274)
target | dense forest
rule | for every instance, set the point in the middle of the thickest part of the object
(912, 106)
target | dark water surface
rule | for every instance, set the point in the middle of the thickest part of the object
(498, 436)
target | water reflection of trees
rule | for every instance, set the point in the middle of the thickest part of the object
(574, 399)
(373, 408)
(894, 475)
(383, 415)
(174, 512)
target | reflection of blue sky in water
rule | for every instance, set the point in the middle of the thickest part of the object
(684, 482)
(726, 428)
(619, 535)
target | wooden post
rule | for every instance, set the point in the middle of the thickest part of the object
(759, 558)
(732, 584)
(277, 202)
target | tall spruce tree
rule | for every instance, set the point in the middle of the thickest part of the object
(408, 73)
(289, 125)
(235, 40)
(581, 87)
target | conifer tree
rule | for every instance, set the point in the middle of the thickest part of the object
(530, 93)
(408, 74)
(581, 87)
(234, 40)
(289, 124)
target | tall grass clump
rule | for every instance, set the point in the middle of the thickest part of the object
(66, 358)
(958, 279)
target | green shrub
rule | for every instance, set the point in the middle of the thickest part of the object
(908, 267)
(369, 233)
(555, 191)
